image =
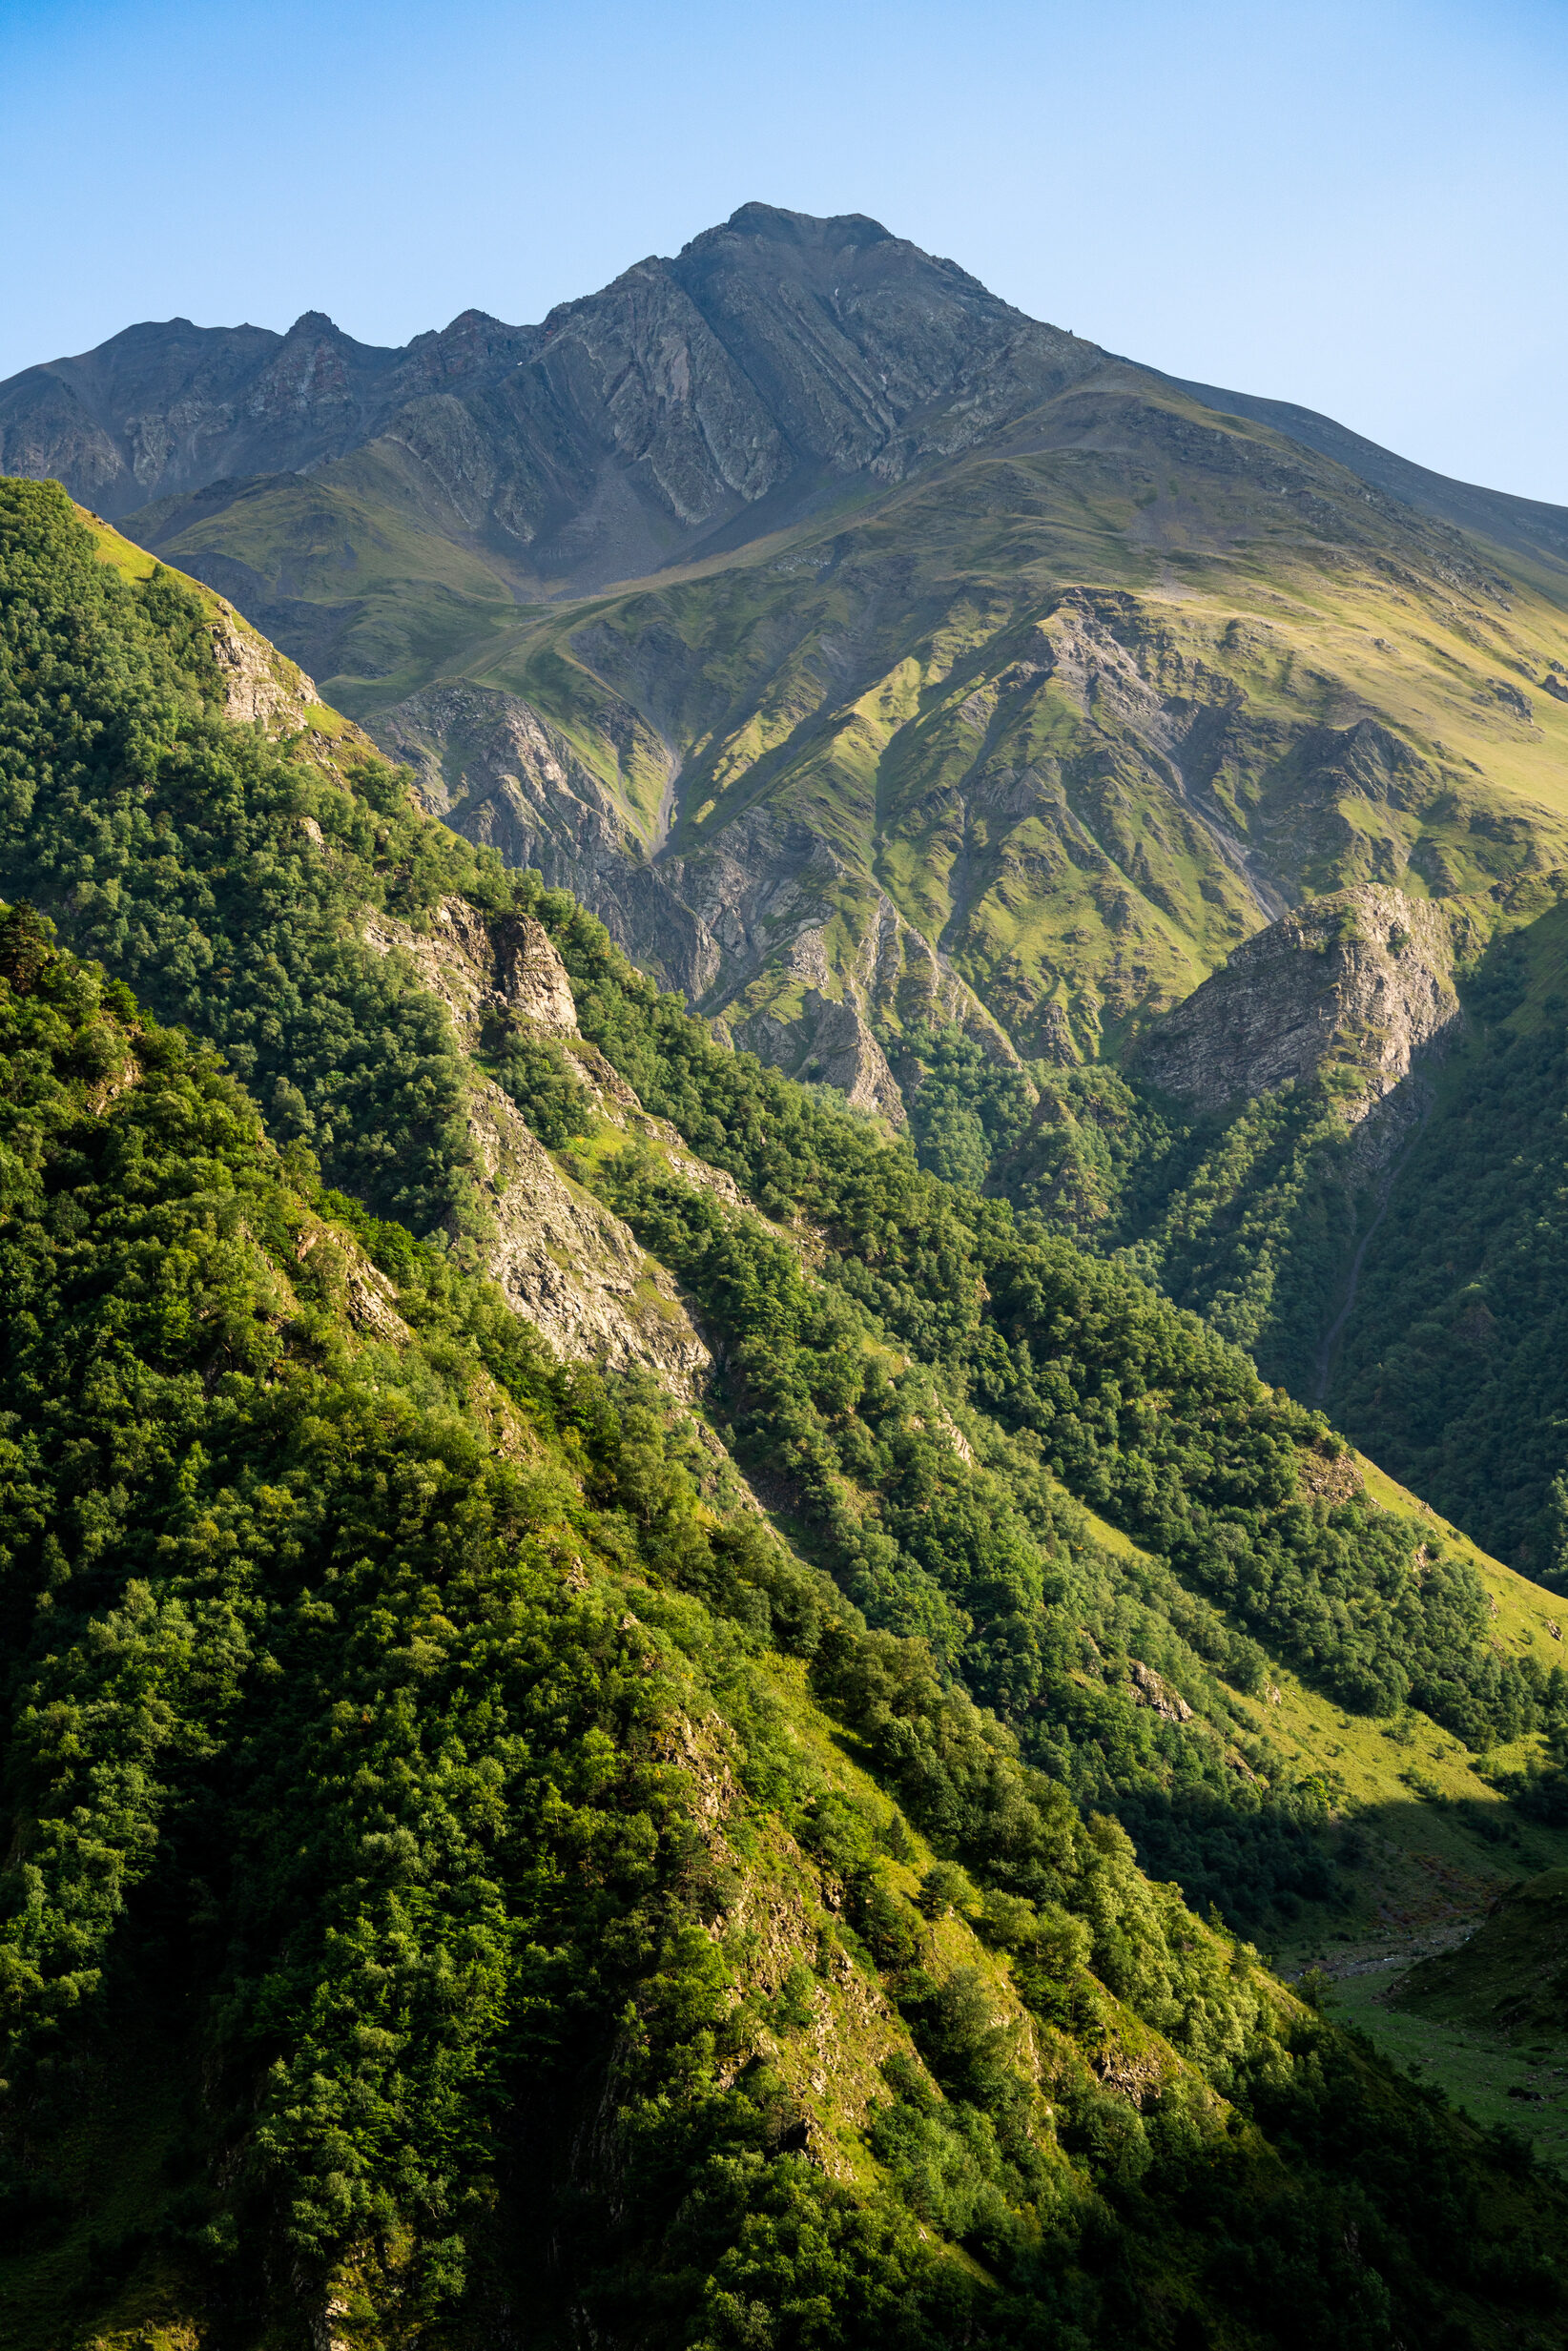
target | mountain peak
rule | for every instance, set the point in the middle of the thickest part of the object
(777, 226)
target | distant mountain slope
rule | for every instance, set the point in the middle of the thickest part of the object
(1527, 525)
(1031, 744)
(168, 407)
(973, 685)
(985, 675)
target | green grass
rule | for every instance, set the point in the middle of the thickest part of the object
(1486, 2017)
(1427, 1836)
(1478, 2069)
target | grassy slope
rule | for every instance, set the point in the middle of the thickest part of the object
(1346, 604)
(1283, 632)
(1487, 2017)
(1438, 1839)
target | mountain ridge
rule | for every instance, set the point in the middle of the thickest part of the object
(704, 398)
(991, 726)
(250, 401)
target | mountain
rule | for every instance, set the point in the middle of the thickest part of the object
(491, 1832)
(989, 674)
(1450, 1363)
(941, 703)
(774, 358)
(1526, 525)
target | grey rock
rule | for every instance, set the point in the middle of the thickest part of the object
(1364, 979)
(564, 1260)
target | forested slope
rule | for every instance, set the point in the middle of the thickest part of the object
(470, 1870)
(1456, 1367)
(436, 1902)
(180, 850)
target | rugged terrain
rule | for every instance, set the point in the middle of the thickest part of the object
(987, 675)
(501, 1844)
(922, 690)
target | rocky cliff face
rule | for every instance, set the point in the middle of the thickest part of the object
(562, 1258)
(171, 409)
(1363, 979)
(261, 687)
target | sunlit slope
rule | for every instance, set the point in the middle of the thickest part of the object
(1082, 713)
(1426, 1830)
(260, 681)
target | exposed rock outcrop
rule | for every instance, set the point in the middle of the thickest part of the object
(1151, 1689)
(259, 684)
(1364, 979)
(564, 1260)
(568, 1265)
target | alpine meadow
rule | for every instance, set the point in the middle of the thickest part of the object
(784, 1400)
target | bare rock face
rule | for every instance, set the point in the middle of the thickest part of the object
(826, 1037)
(1364, 978)
(533, 978)
(1150, 1689)
(564, 1261)
(571, 1266)
(771, 354)
(261, 685)
(499, 774)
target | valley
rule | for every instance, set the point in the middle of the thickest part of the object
(782, 1416)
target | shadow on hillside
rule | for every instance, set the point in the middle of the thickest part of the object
(1377, 1881)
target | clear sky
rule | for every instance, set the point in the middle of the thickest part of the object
(1359, 207)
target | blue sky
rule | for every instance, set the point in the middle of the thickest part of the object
(1359, 207)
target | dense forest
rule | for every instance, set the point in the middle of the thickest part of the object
(472, 1872)
(403, 1757)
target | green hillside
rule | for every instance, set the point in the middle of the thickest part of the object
(484, 1836)
(1453, 1368)
(1484, 2018)
(429, 1846)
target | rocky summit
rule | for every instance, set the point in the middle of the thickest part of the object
(734, 385)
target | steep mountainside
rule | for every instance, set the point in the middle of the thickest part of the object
(402, 1007)
(493, 1852)
(1527, 525)
(775, 357)
(985, 695)
(897, 769)
(997, 679)
(1452, 1365)
(462, 1871)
